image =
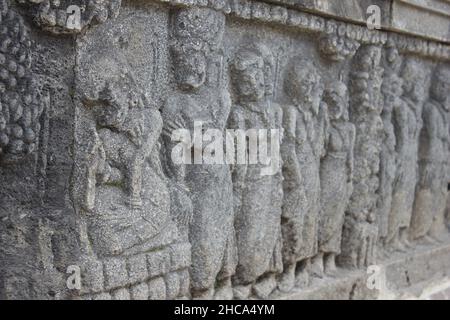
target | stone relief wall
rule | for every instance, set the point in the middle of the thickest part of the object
(88, 116)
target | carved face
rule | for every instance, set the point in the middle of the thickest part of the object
(190, 67)
(306, 87)
(337, 99)
(249, 80)
(440, 89)
(111, 110)
(413, 81)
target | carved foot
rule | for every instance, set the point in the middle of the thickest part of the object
(242, 292)
(224, 291)
(397, 246)
(287, 281)
(302, 276)
(406, 244)
(264, 287)
(427, 241)
(302, 279)
(207, 294)
(317, 268)
(330, 265)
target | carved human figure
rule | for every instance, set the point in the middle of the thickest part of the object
(258, 196)
(305, 123)
(407, 123)
(431, 191)
(202, 96)
(121, 153)
(360, 230)
(336, 178)
(392, 90)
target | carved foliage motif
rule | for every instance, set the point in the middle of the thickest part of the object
(337, 48)
(20, 105)
(360, 230)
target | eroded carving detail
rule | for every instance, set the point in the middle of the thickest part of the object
(392, 90)
(203, 96)
(431, 192)
(336, 178)
(258, 197)
(407, 120)
(131, 247)
(337, 48)
(360, 229)
(305, 122)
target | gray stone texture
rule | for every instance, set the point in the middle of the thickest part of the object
(90, 103)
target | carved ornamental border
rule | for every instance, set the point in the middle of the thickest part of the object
(298, 20)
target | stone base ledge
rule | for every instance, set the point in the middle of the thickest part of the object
(421, 273)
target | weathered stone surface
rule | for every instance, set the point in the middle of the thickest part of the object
(180, 149)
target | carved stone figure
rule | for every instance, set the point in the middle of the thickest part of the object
(202, 96)
(407, 123)
(258, 197)
(305, 124)
(336, 178)
(130, 246)
(20, 100)
(430, 202)
(360, 229)
(392, 91)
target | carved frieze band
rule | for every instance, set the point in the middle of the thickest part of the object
(54, 19)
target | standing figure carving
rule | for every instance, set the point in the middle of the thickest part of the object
(336, 178)
(203, 97)
(258, 196)
(431, 191)
(392, 90)
(305, 123)
(407, 119)
(360, 228)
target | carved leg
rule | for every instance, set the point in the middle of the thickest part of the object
(396, 244)
(362, 254)
(382, 251)
(90, 188)
(372, 247)
(302, 273)
(330, 264)
(317, 268)
(242, 292)
(135, 183)
(404, 238)
(287, 281)
(265, 286)
(427, 240)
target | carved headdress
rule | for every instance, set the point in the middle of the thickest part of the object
(253, 54)
(198, 28)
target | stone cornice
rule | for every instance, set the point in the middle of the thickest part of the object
(283, 14)
(306, 22)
